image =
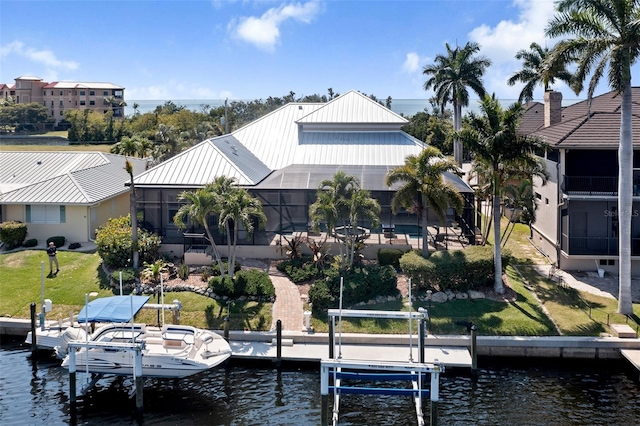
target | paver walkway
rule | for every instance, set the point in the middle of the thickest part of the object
(288, 305)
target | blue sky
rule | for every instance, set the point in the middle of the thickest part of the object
(216, 49)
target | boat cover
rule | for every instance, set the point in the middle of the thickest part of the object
(112, 309)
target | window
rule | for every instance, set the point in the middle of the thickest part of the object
(52, 93)
(82, 102)
(61, 105)
(61, 93)
(82, 93)
(92, 102)
(45, 214)
(51, 104)
(92, 92)
(61, 113)
(105, 93)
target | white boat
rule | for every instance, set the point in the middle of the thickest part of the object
(114, 309)
(172, 351)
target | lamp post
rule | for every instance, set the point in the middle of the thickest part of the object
(429, 292)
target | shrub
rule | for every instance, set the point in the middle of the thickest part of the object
(129, 279)
(74, 246)
(32, 242)
(301, 269)
(115, 243)
(215, 269)
(183, 271)
(13, 233)
(389, 256)
(456, 270)
(58, 241)
(250, 283)
(320, 296)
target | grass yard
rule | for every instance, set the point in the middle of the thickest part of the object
(80, 274)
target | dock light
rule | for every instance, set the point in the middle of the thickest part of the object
(307, 320)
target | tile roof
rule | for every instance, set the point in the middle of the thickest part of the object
(600, 129)
(63, 177)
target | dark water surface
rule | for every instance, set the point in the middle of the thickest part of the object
(507, 392)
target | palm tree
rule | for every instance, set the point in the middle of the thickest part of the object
(128, 146)
(537, 70)
(493, 139)
(606, 33)
(237, 208)
(450, 76)
(128, 166)
(342, 203)
(202, 203)
(422, 178)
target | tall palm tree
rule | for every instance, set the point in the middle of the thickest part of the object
(492, 139)
(606, 33)
(201, 204)
(127, 146)
(424, 186)
(450, 76)
(128, 166)
(537, 70)
(237, 208)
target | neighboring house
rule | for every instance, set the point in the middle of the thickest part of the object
(61, 96)
(577, 224)
(281, 159)
(64, 193)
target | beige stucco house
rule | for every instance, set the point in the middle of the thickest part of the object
(66, 194)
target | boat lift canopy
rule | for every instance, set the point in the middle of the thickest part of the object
(112, 309)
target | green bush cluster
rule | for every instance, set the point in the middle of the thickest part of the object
(359, 285)
(215, 269)
(388, 256)
(455, 270)
(115, 243)
(300, 269)
(74, 246)
(13, 233)
(32, 242)
(58, 241)
(129, 278)
(248, 283)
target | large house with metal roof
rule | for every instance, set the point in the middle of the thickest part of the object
(66, 194)
(577, 217)
(281, 159)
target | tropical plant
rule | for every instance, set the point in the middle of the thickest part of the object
(128, 166)
(492, 138)
(424, 186)
(537, 70)
(115, 245)
(154, 271)
(238, 208)
(341, 204)
(201, 204)
(128, 146)
(606, 33)
(450, 76)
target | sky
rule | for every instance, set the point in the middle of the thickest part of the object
(244, 49)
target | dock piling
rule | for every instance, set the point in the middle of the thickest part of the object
(72, 377)
(139, 380)
(474, 352)
(34, 347)
(331, 337)
(278, 343)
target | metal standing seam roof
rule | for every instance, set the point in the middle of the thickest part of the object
(63, 177)
(305, 176)
(202, 163)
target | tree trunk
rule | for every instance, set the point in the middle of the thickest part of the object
(134, 225)
(457, 125)
(214, 247)
(425, 232)
(497, 254)
(625, 201)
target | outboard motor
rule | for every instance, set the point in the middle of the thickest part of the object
(71, 333)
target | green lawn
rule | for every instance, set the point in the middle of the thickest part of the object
(80, 274)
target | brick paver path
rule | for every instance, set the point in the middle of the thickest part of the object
(288, 305)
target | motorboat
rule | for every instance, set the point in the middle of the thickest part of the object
(172, 351)
(113, 309)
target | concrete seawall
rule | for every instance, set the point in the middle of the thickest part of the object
(573, 347)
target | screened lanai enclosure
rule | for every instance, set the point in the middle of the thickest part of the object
(286, 195)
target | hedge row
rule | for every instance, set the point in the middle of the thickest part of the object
(300, 269)
(250, 282)
(13, 233)
(455, 270)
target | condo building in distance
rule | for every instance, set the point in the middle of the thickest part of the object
(61, 96)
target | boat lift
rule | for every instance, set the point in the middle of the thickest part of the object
(344, 369)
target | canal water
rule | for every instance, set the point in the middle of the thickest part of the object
(507, 392)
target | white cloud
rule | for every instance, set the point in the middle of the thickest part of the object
(411, 63)
(44, 57)
(264, 31)
(502, 42)
(175, 91)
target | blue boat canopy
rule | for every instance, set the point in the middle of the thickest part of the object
(112, 309)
